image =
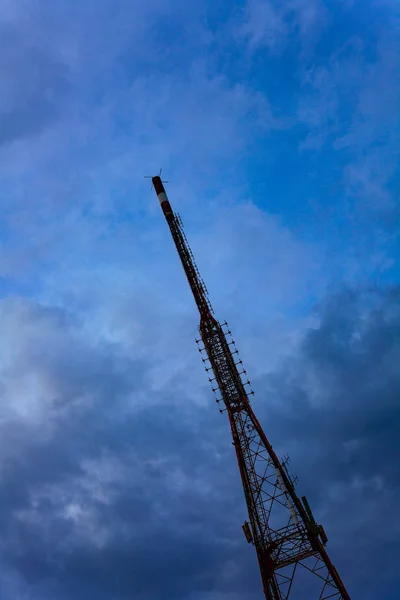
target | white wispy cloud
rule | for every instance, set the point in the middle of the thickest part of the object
(272, 25)
(352, 105)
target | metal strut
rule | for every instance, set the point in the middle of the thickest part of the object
(290, 546)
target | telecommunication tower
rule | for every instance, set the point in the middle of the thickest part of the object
(289, 543)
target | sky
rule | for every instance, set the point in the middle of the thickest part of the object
(276, 125)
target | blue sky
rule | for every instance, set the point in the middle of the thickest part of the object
(277, 127)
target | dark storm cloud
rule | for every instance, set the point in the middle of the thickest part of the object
(344, 389)
(107, 501)
(165, 536)
(336, 409)
(162, 541)
(34, 86)
(114, 502)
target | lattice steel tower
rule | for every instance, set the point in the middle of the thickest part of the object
(290, 545)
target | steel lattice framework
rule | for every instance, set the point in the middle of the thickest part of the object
(290, 545)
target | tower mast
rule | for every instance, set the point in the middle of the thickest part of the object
(290, 546)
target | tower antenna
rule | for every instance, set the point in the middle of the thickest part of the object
(289, 543)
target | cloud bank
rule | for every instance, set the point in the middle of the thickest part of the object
(277, 127)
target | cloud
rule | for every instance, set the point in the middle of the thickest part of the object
(119, 121)
(114, 457)
(96, 492)
(336, 406)
(98, 488)
(350, 104)
(272, 25)
(345, 375)
(35, 86)
(373, 136)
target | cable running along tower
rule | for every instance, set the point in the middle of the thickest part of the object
(290, 545)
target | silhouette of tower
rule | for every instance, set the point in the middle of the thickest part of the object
(290, 545)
